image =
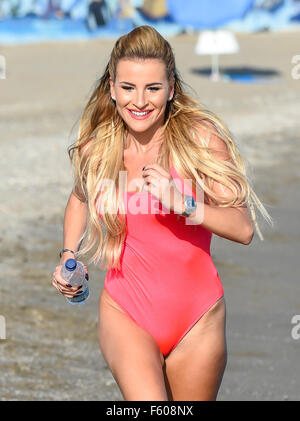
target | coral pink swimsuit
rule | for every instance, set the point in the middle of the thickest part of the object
(167, 279)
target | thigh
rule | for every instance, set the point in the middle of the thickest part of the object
(194, 369)
(131, 353)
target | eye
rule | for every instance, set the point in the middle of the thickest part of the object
(151, 88)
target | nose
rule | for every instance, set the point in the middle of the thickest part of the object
(140, 99)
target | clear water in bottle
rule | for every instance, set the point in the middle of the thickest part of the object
(74, 273)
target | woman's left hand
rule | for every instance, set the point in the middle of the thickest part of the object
(160, 184)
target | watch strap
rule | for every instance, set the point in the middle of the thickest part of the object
(188, 210)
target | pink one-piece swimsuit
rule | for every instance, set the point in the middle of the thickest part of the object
(167, 279)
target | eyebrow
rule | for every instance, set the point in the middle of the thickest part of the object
(148, 84)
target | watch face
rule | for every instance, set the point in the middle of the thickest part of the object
(190, 205)
(190, 202)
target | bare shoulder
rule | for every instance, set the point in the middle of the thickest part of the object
(218, 149)
(84, 148)
(83, 151)
(217, 146)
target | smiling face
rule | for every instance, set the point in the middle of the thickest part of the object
(141, 91)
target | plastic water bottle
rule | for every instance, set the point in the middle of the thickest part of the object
(74, 273)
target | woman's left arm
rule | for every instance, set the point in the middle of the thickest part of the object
(233, 223)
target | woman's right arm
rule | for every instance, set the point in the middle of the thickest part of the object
(75, 219)
(74, 226)
(75, 216)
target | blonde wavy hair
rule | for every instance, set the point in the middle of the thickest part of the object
(97, 154)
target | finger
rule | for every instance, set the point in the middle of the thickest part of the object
(155, 182)
(55, 285)
(153, 187)
(166, 178)
(86, 270)
(71, 295)
(64, 285)
(152, 172)
(66, 292)
(70, 290)
(152, 177)
(65, 288)
(58, 277)
(60, 280)
(157, 168)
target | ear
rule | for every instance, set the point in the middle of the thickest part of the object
(112, 87)
(172, 89)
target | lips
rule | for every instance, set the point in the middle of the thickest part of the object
(141, 117)
(138, 111)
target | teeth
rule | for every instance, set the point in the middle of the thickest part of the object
(139, 114)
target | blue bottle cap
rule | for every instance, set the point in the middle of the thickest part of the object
(71, 264)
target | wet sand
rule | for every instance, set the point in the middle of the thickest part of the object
(51, 349)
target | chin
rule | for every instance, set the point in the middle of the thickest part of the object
(138, 129)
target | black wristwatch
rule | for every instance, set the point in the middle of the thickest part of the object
(190, 205)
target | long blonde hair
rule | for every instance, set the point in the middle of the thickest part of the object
(97, 154)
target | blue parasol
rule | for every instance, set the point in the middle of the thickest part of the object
(207, 14)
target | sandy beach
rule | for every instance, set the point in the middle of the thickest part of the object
(51, 349)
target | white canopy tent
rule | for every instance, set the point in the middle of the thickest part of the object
(214, 43)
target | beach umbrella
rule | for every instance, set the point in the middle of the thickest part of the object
(214, 43)
(207, 14)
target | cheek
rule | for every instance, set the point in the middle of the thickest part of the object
(122, 103)
(160, 101)
(123, 98)
(164, 97)
(122, 95)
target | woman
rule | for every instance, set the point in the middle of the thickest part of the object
(162, 310)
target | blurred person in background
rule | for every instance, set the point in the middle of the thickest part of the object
(52, 9)
(125, 9)
(154, 9)
(97, 14)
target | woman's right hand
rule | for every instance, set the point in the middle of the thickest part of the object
(62, 286)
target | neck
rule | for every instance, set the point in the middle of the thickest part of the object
(142, 143)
